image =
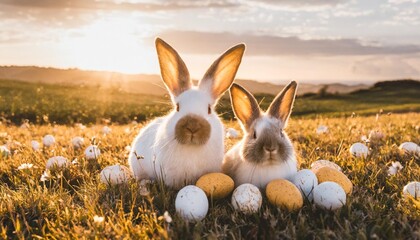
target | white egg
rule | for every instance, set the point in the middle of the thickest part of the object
(77, 142)
(410, 147)
(191, 203)
(412, 189)
(92, 152)
(322, 129)
(57, 162)
(324, 163)
(329, 195)
(115, 174)
(48, 140)
(247, 198)
(232, 133)
(359, 150)
(4, 151)
(305, 180)
(376, 136)
(35, 145)
(106, 130)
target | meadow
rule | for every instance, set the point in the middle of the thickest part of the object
(74, 203)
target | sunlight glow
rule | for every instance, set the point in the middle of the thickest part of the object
(109, 44)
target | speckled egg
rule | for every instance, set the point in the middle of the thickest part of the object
(284, 194)
(92, 152)
(305, 180)
(324, 163)
(191, 203)
(115, 174)
(359, 150)
(409, 147)
(329, 195)
(412, 189)
(58, 162)
(247, 198)
(216, 185)
(327, 174)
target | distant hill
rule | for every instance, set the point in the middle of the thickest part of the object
(139, 83)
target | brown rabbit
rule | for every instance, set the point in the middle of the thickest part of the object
(265, 153)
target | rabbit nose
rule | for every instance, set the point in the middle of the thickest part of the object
(192, 125)
(270, 148)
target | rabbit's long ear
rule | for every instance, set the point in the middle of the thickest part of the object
(282, 105)
(220, 75)
(244, 105)
(174, 72)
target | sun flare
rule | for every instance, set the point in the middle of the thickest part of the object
(108, 44)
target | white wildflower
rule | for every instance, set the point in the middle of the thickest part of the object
(75, 161)
(167, 217)
(395, 168)
(98, 220)
(232, 133)
(45, 176)
(321, 129)
(24, 166)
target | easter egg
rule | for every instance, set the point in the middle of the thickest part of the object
(48, 140)
(191, 203)
(327, 174)
(284, 194)
(376, 136)
(322, 129)
(359, 150)
(77, 142)
(216, 185)
(247, 198)
(305, 180)
(115, 174)
(409, 147)
(92, 152)
(35, 145)
(57, 162)
(412, 189)
(324, 163)
(329, 195)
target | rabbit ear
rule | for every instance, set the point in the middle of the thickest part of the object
(220, 75)
(174, 73)
(244, 105)
(281, 107)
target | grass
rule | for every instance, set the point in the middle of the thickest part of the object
(65, 206)
(43, 103)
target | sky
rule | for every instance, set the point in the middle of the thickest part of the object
(347, 41)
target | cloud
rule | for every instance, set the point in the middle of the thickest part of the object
(266, 45)
(116, 5)
(385, 67)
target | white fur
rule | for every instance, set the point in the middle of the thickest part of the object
(243, 171)
(156, 154)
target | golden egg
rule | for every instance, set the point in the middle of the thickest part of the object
(327, 174)
(216, 185)
(284, 194)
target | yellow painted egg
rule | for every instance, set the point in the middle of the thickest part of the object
(216, 185)
(327, 174)
(284, 194)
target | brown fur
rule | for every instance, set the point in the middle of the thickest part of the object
(193, 130)
(269, 146)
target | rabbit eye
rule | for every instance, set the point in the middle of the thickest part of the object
(209, 109)
(177, 107)
(255, 134)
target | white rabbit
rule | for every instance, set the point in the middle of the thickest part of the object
(188, 142)
(265, 153)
